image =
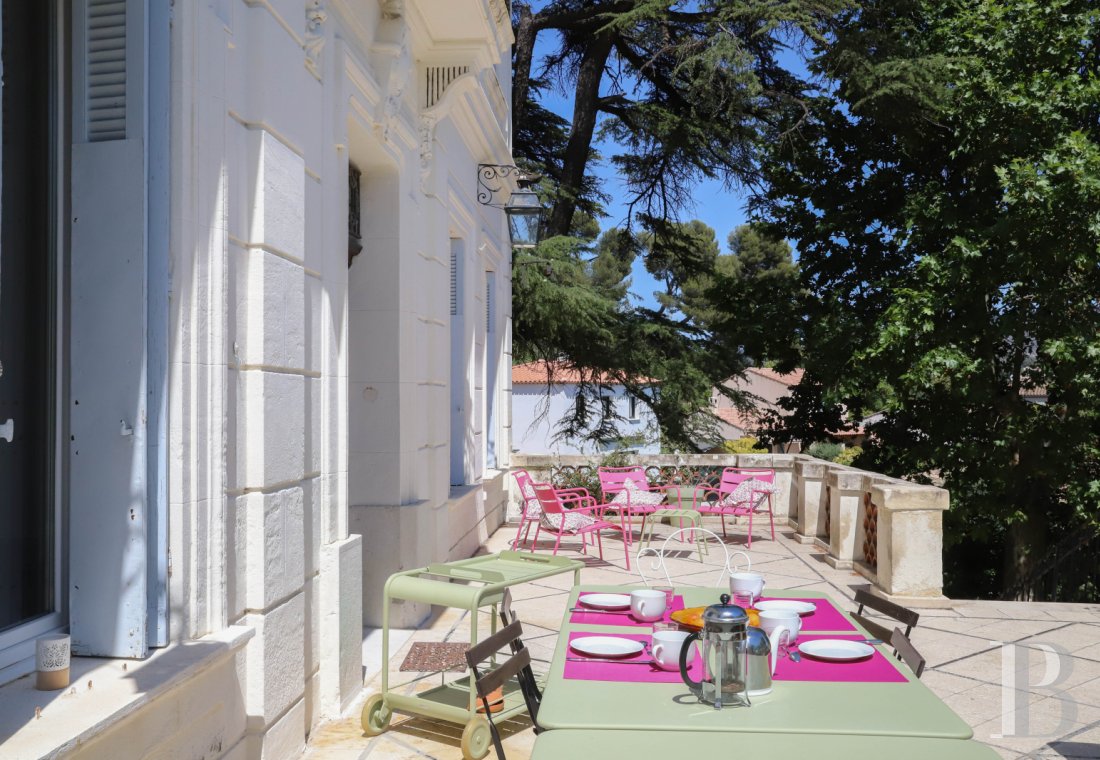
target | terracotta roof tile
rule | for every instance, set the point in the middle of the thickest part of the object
(787, 378)
(731, 415)
(535, 373)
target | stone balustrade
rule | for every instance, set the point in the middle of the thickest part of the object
(888, 530)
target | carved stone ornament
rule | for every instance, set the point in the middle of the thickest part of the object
(427, 146)
(392, 9)
(398, 79)
(315, 35)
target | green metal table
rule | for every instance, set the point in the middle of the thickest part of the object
(906, 708)
(468, 584)
(665, 745)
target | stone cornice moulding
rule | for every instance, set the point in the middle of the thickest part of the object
(360, 77)
(365, 101)
(496, 43)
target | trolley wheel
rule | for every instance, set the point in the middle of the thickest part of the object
(476, 738)
(376, 715)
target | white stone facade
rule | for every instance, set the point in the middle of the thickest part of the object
(327, 424)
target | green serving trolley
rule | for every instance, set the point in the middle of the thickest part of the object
(467, 584)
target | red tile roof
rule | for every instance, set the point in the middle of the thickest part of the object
(787, 378)
(731, 415)
(560, 373)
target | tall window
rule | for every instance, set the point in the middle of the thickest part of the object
(28, 570)
(608, 405)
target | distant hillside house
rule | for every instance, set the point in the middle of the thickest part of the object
(543, 396)
(767, 385)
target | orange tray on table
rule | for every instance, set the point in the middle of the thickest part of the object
(692, 617)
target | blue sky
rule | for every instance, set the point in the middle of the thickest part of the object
(720, 208)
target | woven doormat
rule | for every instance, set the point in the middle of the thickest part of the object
(434, 656)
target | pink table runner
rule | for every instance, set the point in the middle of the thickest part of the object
(825, 618)
(595, 617)
(613, 671)
(875, 669)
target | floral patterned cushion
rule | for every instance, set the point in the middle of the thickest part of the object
(573, 521)
(748, 490)
(532, 508)
(635, 497)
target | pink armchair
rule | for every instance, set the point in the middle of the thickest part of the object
(627, 490)
(583, 519)
(740, 492)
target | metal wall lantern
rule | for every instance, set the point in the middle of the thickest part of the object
(523, 206)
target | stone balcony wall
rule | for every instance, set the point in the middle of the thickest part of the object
(888, 530)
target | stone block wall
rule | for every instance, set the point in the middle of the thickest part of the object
(300, 385)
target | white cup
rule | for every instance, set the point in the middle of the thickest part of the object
(746, 586)
(647, 605)
(666, 648)
(782, 626)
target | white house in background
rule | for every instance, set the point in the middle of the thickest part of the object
(219, 431)
(766, 385)
(540, 400)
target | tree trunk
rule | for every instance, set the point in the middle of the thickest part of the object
(1028, 539)
(525, 33)
(585, 110)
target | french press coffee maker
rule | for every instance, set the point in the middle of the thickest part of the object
(725, 656)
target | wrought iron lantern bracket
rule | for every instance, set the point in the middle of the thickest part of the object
(523, 206)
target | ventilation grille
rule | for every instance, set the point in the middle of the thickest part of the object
(488, 303)
(454, 281)
(105, 69)
(436, 80)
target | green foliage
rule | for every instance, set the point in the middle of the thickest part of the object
(570, 301)
(745, 445)
(587, 476)
(675, 93)
(578, 477)
(945, 193)
(848, 456)
(826, 450)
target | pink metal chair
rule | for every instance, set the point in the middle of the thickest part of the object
(583, 519)
(731, 498)
(627, 490)
(530, 511)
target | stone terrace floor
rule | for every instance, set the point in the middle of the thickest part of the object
(960, 642)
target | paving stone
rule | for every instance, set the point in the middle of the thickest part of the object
(1073, 637)
(965, 670)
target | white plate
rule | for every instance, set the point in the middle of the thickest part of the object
(791, 605)
(839, 650)
(606, 646)
(606, 601)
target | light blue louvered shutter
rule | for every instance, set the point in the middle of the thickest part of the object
(107, 401)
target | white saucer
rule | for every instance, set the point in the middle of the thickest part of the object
(787, 605)
(606, 601)
(606, 646)
(837, 650)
